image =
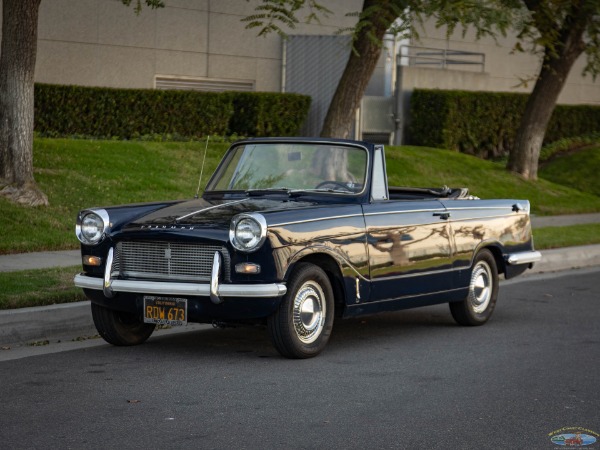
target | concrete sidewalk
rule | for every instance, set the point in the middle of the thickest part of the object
(564, 221)
(39, 260)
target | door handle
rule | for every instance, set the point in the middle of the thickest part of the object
(443, 216)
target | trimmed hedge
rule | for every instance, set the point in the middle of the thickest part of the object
(133, 113)
(268, 114)
(484, 124)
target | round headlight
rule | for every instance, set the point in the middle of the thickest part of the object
(248, 232)
(91, 227)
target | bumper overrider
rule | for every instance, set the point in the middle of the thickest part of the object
(216, 291)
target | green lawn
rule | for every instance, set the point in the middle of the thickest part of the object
(556, 237)
(39, 287)
(578, 170)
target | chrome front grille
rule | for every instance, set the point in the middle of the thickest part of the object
(166, 260)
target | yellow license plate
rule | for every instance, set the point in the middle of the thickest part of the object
(165, 310)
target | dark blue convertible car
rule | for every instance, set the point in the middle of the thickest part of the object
(292, 233)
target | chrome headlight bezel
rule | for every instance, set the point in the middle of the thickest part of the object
(248, 232)
(100, 218)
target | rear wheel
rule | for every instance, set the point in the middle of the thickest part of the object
(120, 328)
(478, 306)
(301, 326)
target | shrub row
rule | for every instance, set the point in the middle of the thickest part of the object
(132, 113)
(485, 123)
(268, 114)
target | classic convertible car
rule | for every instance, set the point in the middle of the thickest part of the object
(294, 232)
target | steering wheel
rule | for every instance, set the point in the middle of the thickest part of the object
(331, 184)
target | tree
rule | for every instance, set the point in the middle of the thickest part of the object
(563, 30)
(375, 19)
(17, 68)
(560, 29)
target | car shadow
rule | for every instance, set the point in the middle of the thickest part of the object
(253, 340)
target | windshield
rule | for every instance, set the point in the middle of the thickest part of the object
(292, 166)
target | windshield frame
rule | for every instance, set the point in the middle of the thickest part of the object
(291, 192)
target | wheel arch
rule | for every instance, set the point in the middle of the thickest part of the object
(495, 249)
(333, 271)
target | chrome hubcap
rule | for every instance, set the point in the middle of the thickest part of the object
(309, 312)
(480, 289)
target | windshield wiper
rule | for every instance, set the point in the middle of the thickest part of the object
(296, 192)
(275, 190)
(293, 192)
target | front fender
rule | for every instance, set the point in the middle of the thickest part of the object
(351, 287)
(345, 267)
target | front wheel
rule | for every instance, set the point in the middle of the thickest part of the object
(301, 326)
(477, 308)
(120, 328)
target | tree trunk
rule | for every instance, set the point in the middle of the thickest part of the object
(524, 156)
(359, 70)
(17, 68)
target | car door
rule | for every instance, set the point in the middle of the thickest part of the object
(409, 248)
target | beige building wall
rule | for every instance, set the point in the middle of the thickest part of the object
(103, 43)
(503, 71)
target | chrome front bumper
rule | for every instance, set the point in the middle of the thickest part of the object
(214, 290)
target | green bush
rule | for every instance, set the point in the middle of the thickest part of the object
(573, 120)
(484, 124)
(268, 114)
(565, 145)
(63, 111)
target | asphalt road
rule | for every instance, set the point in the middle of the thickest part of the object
(411, 379)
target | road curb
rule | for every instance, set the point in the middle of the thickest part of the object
(558, 259)
(46, 322)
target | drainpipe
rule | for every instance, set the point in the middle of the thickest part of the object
(283, 64)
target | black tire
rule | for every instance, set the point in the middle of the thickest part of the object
(301, 326)
(120, 328)
(478, 306)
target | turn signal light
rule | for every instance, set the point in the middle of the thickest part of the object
(89, 260)
(247, 268)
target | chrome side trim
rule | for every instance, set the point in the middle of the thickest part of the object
(501, 208)
(107, 286)
(313, 220)
(416, 295)
(523, 257)
(464, 219)
(214, 279)
(384, 213)
(183, 289)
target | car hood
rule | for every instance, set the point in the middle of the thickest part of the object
(200, 213)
